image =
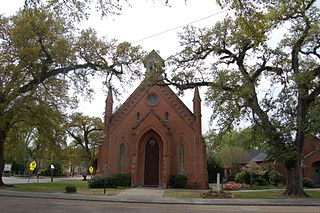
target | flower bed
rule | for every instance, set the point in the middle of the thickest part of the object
(232, 185)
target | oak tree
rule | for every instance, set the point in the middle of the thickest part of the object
(43, 56)
(86, 134)
(260, 64)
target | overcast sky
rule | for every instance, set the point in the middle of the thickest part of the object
(150, 24)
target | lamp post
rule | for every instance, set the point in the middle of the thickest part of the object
(105, 179)
(52, 168)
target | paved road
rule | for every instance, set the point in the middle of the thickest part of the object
(18, 180)
(39, 205)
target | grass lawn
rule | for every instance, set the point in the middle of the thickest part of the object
(272, 194)
(59, 187)
(275, 194)
(182, 194)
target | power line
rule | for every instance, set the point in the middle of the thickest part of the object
(178, 27)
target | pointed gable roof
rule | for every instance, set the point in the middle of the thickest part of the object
(142, 91)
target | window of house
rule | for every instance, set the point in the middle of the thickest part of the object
(181, 159)
(122, 158)
(138, 116)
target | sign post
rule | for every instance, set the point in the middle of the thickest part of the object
(52, 168)
(105, 179)
(32, 167)
(91, 170)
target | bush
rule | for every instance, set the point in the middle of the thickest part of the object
(260, 181)
(114, 181)
(240, 177)
(178, 181)
(120, 180)
(71, 189)
(232, 185)
(17, 167)
(274, 177)
(97, 181)
(307, 182)
(57, 171)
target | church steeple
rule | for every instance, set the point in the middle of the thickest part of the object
(197, 109)
(108, 109)
(153, 62)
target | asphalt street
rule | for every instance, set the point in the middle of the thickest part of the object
(41, 205)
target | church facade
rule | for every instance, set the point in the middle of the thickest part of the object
(154, 135)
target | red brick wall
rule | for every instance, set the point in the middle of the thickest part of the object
(311, 154)
(178, 129)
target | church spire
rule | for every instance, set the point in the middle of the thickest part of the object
(153, 62)
(197, 109)
(108, 108)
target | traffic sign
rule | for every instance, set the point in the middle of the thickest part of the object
(33, 165)
(91, 169)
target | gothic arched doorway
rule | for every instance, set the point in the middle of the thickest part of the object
(151, 169)
(316, 172)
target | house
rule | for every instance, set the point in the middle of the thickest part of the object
(154, 135)
(310, 164)
(311, 159)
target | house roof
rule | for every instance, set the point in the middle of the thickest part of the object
(256, 155)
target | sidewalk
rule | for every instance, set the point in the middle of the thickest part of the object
(155, 195)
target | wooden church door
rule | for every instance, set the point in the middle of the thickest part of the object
(151, 169)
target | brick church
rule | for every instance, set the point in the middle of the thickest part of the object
(154, 135)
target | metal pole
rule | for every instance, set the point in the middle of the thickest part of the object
(105, 179)
(218, 183)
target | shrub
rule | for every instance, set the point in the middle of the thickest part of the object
(71, 189)
(17, 167)
(274, 177)
(178, 181)
(120, 180)
(97, 181)
(114, 181)
(232, 185)
(260, 181)
(307, 182)
(240, 177)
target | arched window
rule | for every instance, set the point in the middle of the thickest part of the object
(138, 116)
(122, 158)
(166, 116)
(181, 159)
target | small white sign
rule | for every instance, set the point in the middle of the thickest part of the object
(7, 167)
(52, 166)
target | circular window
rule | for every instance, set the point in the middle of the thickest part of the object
(152, 142)
(152, 99)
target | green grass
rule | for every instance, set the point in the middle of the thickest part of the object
(181, 194)
(275, 194)
(59, 187)
(313, 193)
(272, 194)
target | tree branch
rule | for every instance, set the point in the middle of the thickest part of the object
(45, 75)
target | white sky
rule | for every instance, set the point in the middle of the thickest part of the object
(143, 19)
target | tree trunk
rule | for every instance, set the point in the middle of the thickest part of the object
(294, 182)
(2, 140)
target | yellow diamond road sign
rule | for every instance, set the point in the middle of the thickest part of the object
(91, 169)
(33, 165)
